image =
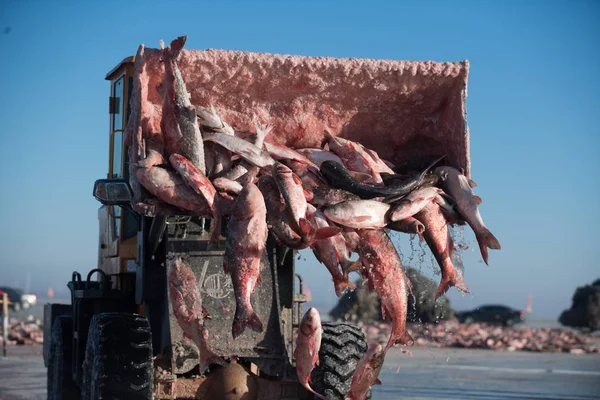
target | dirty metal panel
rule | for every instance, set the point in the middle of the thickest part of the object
(218, 299)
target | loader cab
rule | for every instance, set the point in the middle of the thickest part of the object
(118, 224)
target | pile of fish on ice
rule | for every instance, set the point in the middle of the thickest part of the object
(337, 200)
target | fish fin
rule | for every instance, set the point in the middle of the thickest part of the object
(472, 183)
(240, 322)
(452, 280)
(409, 286)
(258, 281)
(362, 218)
(477, 199)
(361, 177)
(297, 180)
(377, 382)
(352, 267)
(487, 240)
(326, 232)
(308, 194)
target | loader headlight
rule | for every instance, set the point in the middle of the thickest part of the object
(113, 192)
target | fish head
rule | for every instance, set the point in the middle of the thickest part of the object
(311, 322)
(375, 356)
(281, 169)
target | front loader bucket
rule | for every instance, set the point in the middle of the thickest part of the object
(404, 110)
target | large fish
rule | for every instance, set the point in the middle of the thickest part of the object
(326, 196)
(359, 214)
(170, 188)
(366, 372)
(385, 274)
(332, 252)
(218, 159)
(317, 156)
(353, 156)
(290, 187)
(458, 187)
(248, 151)
(246, 240)
(200, 184)
(308, 344)
(179, 120)
(440, 242)
(277, 217)
(413, 203)
(188, 310)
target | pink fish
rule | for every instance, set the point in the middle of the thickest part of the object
(331, 252)
(459, 187)
(366, 372)
(188, 310)
(385, 274)
(200, 184)
(308, 345)
(359, 214)
(354, 157)
(246, 240)
(440, 242)
(170, 188)
(179, 125)
(413, 203)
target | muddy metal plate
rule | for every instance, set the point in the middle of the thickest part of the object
(218, 298)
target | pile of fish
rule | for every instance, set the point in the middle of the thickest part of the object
(483, 336)
(338, 199)
(26, 332)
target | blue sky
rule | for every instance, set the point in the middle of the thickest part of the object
(533, 110)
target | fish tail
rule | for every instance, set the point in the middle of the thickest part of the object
(343, 285)
(176, 46)
(487, 240)
(403, 339)
(448, 281)
(243, 319)
(320, 396)
(351, 267)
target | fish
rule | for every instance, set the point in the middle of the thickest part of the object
(413, 203)
(244, 171)
(188, 310)
(227, 185)
(308, 344)
(337, 176)
(332, 253)
(290, 187)
(447, 206)
(359, 214)
(326, 196)
(246, 150)
(385, 274)
(317, 156)
(170, 188)
(459, 188)
(366, 372)
(440, 242)
(196, 180)
(277, 217)
(407, 225)
(281, 152)
(179, 120)
(352, 156)
(245, 244)
(209, 120)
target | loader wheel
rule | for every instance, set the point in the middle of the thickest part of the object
(118, 358)
(342, 345)
(60, 384)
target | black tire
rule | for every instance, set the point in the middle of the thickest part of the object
(342, 346)
(118, 358)
(60, 384)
